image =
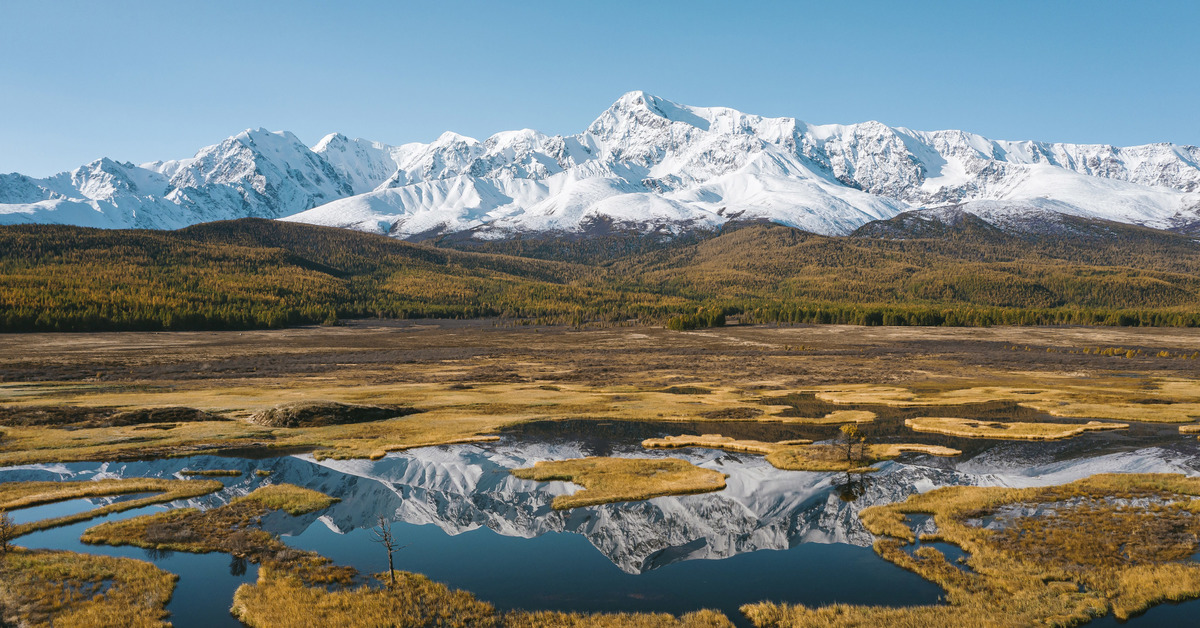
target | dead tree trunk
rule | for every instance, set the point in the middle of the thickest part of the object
(383, 536)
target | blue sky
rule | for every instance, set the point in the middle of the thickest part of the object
(140, 81)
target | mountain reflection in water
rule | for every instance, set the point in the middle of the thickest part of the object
(471, 524)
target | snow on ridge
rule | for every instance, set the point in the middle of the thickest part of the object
(645, 162)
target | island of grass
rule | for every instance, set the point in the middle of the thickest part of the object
(607, 480)
(837, 417)
(1014, 430)
(325, 413)
(230, 529)
(17, 495)
(212, 473)
(716, 441)
(278, 600)
(56, 588)
(802, 455)
(827, 457)
(1059, 555)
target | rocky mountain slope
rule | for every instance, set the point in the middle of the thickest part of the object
(645, 163)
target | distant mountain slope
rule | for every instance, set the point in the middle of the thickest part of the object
(252, 174)
(262, 273)
(645, 164)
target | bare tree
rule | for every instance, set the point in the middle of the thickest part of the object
(8, 531)
(382, 533)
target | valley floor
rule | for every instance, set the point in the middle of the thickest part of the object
(789, 394)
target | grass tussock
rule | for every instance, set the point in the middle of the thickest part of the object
(716, 441)
(289, 498)
(212, 473)
(1108, 543)
(606, 480)
(17, 495)
(51, 588)
(324, 413)
(837, 417)
(833, 457)
(1015, 430)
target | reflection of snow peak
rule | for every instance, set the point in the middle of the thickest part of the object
(462, 488)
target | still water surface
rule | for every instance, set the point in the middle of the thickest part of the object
(771, 535)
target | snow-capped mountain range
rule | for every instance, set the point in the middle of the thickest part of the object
(645, 163)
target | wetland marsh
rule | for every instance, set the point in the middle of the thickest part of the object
(423, 423)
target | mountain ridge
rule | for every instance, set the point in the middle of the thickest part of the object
(646, 163)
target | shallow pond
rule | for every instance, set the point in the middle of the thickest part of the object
(770, 535)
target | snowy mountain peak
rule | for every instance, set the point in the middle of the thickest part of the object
(645, 162)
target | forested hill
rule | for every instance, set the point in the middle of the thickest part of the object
(259, 273)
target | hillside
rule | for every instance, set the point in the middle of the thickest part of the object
(260, 273)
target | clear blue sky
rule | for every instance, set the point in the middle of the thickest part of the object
(158, 79)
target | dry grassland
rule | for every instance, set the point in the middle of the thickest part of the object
(465, 382)
(1015, 430)
(607, 480)
(795, 455)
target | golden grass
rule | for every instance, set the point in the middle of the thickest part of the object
(716, 441)
(231, 529)
(449, 411)
(802, 455)
(213, 473)
(553, 619)
(289, 498)
(1014, 430)
(16, 495)
(1121, 411)
(1108, 543)
(1174, 401)
(280, 600)
(447, 415)
(65, 589)
(887, 451)
(606, 480)
(262, 473)
(833, 457)
(837, 417)
(1190, 429)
